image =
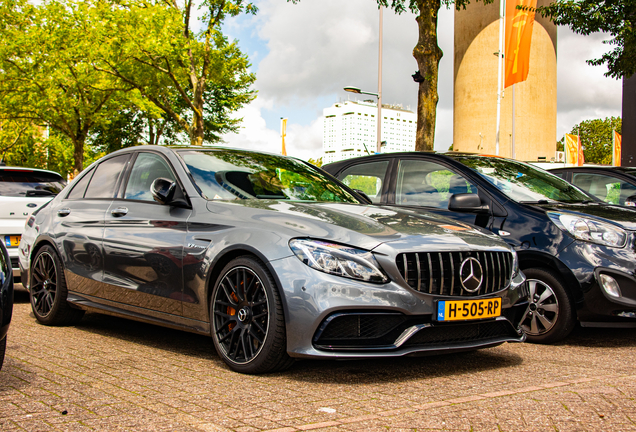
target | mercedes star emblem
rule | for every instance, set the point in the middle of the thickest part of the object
(471, 274)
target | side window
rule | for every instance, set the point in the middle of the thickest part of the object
(423, 183)
(80, 186)
(561, 174)
(104, 181)
(147, 168)
(607, 188)
(367, 177)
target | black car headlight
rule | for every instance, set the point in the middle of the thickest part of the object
(591, 230)
(340, 260)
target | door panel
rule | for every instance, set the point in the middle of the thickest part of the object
(144, 242)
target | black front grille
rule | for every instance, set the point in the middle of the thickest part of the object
(439, 272)
(458, 333)
(361, 329)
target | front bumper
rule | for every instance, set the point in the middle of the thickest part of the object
(332, 317)
(595, 304)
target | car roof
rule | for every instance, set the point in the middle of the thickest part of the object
(24, 169)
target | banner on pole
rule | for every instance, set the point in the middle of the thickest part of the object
(571, 149)
(519, 25)
(581, 158)
(616, 154)
(283, 134)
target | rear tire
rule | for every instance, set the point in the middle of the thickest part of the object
(550, 315)
(48, 292)
(246, 319)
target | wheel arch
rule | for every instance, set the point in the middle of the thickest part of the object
(231, 253)
(535, 259)
(39, 244)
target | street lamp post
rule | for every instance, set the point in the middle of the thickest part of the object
(356, 90)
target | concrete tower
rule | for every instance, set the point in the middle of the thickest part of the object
(475, 101)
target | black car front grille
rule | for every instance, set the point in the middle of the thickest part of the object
(459, 333)
(361, 329)
(439, 272)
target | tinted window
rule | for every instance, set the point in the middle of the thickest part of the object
(79, 186)
(522, 182)
(104, 180)
(232, 174)
(147, 168)
(424, 183)
(607, 188)
(367, 177)
(24, 183)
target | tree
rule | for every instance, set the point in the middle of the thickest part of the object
(196, 80)
(45, 78)
(616, 17)
(596, 138)
(427, 55)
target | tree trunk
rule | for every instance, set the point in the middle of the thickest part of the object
(427, 54)
(197, 129)
(78, 155)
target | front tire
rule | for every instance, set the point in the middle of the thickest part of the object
(246, 318)
(550, 315)
(48, 292)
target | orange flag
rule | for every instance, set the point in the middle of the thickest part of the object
(571, 149)
(616, 155)
(581, 159)
(518, 37)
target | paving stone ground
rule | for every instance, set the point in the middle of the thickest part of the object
(113, 374)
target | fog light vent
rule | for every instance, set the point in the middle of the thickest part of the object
(610, 285)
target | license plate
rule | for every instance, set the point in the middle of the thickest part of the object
(12, 241)
(461, 310)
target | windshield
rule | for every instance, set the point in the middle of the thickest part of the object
(233, 174)
(24, 183)
(522, 182)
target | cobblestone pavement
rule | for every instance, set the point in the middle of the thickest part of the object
(113, 374)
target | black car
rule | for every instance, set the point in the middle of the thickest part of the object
(613, 185)
(577, 252)
(6, 299)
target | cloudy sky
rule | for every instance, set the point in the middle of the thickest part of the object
(304, 54)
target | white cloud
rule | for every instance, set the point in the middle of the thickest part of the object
(305, 53)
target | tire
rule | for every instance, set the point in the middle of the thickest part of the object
(48, 292)
(550, 315)
(246, 319)
(3, 348)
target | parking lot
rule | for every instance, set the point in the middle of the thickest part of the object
(113, 374)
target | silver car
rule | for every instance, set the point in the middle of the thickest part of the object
(272, 257)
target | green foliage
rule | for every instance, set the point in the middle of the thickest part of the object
(596, 138)
(194, 80)
(315, 162)
(617, 18)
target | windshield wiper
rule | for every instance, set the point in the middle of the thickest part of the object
(33, 193)
(535, 202)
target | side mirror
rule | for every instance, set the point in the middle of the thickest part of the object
(467, 203)
(167, 192)
(631, 201)
(363, 195)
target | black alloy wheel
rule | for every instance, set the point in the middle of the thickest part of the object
(549, 316)
(247, 322)
(48, 291)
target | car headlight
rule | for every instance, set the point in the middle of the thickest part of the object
(591, 230)
(339, 260)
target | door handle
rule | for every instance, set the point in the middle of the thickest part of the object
(119, 211)
(64, 212)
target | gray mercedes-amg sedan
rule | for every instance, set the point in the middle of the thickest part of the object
(272, 257)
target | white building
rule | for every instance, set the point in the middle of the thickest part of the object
(350, 129)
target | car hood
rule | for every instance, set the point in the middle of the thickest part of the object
(622, 216)
(361, 226)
